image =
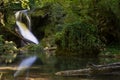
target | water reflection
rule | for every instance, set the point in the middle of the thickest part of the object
(54, 64)
(88, 78)
(64, 63)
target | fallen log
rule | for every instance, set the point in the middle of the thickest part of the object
(94, 70)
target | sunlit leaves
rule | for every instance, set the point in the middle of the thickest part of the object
(25, 4)
(9, 53)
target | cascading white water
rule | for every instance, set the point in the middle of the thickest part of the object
(23, 30)
(26, 33)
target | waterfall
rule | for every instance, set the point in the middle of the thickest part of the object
(25, 30)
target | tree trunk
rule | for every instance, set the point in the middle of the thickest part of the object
(93, 70)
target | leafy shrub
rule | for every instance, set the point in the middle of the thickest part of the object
(79, 37)
(9, 52)
(106, 16)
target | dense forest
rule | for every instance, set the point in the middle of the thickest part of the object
(83, 28)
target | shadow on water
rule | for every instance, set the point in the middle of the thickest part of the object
(47, 69)
(64, 63)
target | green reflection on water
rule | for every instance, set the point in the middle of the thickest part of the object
(54, 64)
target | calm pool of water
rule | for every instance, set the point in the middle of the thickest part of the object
(51, 65)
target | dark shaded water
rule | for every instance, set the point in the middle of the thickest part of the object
(51, 65)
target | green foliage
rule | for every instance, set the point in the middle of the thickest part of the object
(9, 52)
(76, 24)
(21, 4)
(33, 48)
(102, 14)
(1, 39)
(74, 29)
(113, 50)
(79, 37)
(25, 4)
(1, 44)
(107, 18)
